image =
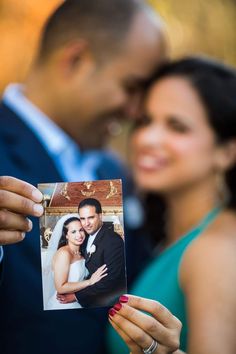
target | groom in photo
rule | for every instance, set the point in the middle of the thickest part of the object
(104, 246)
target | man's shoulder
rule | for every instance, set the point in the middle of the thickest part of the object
(9, 118)
(109, 232)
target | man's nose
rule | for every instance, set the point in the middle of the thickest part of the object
(86, 222)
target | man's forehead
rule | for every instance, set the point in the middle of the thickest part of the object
(87, 209)
(146, 39)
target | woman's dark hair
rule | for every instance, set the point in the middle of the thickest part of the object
(63, 240)
(215, 84)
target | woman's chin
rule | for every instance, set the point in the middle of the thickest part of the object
(149, 184)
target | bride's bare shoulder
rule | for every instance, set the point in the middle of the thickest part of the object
(62, 254)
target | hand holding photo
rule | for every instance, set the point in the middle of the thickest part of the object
(82, 244)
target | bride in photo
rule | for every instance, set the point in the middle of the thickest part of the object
(65, 271)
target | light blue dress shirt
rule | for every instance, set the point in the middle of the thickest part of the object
(65, 153)
(1, 253)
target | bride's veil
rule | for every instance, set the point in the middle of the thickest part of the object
(47, 274)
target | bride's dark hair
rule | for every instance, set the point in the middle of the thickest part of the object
(63, 240)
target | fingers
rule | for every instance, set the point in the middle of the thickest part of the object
(103, 276)
(101, 270)
(133, 335)
(66, 298)
(22, 188)
(142, 328)
(17, 199)
(9, 237)
(19, 204)
(102, 267)
(134, 348)
(11, 221)
(158, 311)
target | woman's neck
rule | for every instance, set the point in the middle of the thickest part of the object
(185, 209)
(74, 250)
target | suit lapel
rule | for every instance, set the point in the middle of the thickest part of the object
(24, 153)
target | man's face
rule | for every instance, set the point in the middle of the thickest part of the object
(90, 220)
(112, 90)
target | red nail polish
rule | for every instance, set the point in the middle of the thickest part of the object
(123, 298)
(117, 306)
(112, 312)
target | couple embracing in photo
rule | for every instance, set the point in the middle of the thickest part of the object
(85, 264)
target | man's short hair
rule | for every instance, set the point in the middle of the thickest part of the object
(91, 202)
(103, 23)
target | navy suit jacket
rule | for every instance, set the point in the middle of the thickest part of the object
(24, 327)
(110, 251)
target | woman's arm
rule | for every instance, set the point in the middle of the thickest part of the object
(138, 329)
(61, 273)
(208, 274)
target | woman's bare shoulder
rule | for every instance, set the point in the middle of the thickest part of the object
(62, 254)
(214, 250)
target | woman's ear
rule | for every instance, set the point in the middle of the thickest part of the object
(226, 156)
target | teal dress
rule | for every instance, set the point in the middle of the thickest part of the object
(160, 282)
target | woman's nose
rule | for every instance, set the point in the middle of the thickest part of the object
(153, 135)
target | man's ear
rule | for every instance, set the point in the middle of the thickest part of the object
(71, 56)
(226, 156)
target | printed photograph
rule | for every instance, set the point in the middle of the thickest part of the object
(82, 244)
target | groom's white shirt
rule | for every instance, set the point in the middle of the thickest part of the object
(1, 253)
(91, 240)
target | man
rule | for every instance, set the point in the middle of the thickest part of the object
(93, 57)
(104, 246)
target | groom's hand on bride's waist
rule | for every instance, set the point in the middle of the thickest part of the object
(66, 298)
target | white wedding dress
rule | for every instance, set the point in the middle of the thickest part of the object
(77, 272)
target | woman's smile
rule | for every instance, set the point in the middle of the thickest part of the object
(148, 162)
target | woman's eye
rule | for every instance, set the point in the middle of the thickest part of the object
(178, 126)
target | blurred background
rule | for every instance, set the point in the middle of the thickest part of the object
(193, 27)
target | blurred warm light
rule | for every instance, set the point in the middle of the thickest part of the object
(193, 26)
(201, 26)
(20, 25)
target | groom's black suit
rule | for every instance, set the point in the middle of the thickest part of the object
(110, 251)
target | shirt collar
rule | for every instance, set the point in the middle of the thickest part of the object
(50, 134)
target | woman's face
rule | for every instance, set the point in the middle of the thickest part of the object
(75, 233)
(176, 147)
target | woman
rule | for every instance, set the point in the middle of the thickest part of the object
(184, 153)
(68, 263)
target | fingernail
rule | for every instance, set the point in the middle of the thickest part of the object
(117, 306)
(22, 235)
(112, 312)
(38, 209)
(30, 225)
(37, 195)
(123, 298)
